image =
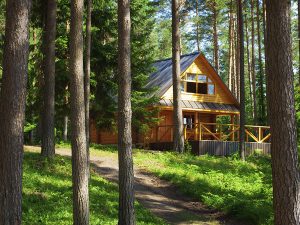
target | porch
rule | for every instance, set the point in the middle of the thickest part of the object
(213, 138)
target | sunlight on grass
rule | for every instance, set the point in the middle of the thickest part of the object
(235, 187)
(47, 194)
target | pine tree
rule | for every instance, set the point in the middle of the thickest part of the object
(78, 141)
(12, 109)
(281, 108)
(242, 79)
(178, 138)
(126, 176)
(48, 139)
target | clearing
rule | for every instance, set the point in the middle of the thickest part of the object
(233, 190)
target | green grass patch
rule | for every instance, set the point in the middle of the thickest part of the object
(47, 194)
(242, 189)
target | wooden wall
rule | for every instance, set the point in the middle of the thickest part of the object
(200, 66)
(102, 136)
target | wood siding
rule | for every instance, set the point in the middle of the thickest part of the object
(200, 66)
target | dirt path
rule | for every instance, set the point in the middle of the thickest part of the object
(159, 196)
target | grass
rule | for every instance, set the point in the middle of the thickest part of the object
(242, 189)
(47, 194)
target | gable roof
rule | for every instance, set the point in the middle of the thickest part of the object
(162, 77)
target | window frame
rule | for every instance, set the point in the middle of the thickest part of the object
(208, 82)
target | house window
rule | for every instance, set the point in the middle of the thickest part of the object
(198, 84)
(188, 120)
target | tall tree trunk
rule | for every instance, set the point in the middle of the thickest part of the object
(197, 26)
(215, 36)
(65, 135)
(281, 106)
(261, 69)
(230, 50)
(242, 79)
(235, 64)
(48, 137)
(87, 77)
(126, 174)
(79, 151)
(237, 60)
(177, 113)
(253, 73)
(12, 109)
(249, 64)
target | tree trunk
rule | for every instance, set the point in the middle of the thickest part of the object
(230, 50)
(177, 113)
(79, 151)
(281, 106)
(253, 73)
(197, 26)
(237, 63)
(12, 109)
(66, 120)
(242, 79)
(87, 77)
(215, 36)
(126, 175)
(249, 64)
(261, 69)
(48, 137)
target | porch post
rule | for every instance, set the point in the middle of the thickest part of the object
(233, 127)
(196, 125)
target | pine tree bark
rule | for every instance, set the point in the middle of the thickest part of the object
(262, 110)
(230, 50)
(242, 79)
(253, 72)
(281, 106)
(215, 36)
(178, 138)
(78, 139)
(197, 26)
(87, 75)
(48, 137)
(126, 174)
(249, 64)
(65, 131)
(12, 109)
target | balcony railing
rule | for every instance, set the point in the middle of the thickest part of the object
(213, 131)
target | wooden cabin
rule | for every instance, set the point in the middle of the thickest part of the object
(205, 99)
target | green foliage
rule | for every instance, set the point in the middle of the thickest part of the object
(104, 66)
(187, 147)
(243, 189)
(47, 194)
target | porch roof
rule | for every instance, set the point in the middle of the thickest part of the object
(201, 106)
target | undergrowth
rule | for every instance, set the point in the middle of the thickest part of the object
(47, 195)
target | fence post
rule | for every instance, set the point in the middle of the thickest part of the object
(200, 132)
(184, 130)
(259, 134)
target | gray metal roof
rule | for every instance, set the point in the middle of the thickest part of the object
(162, 77)
(200, 105)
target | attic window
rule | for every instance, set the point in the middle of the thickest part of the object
(198, 84)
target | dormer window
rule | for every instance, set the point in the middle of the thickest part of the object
(197, 83)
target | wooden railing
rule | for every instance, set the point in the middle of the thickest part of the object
(213, 131)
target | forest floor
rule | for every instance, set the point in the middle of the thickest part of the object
(161, 197)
